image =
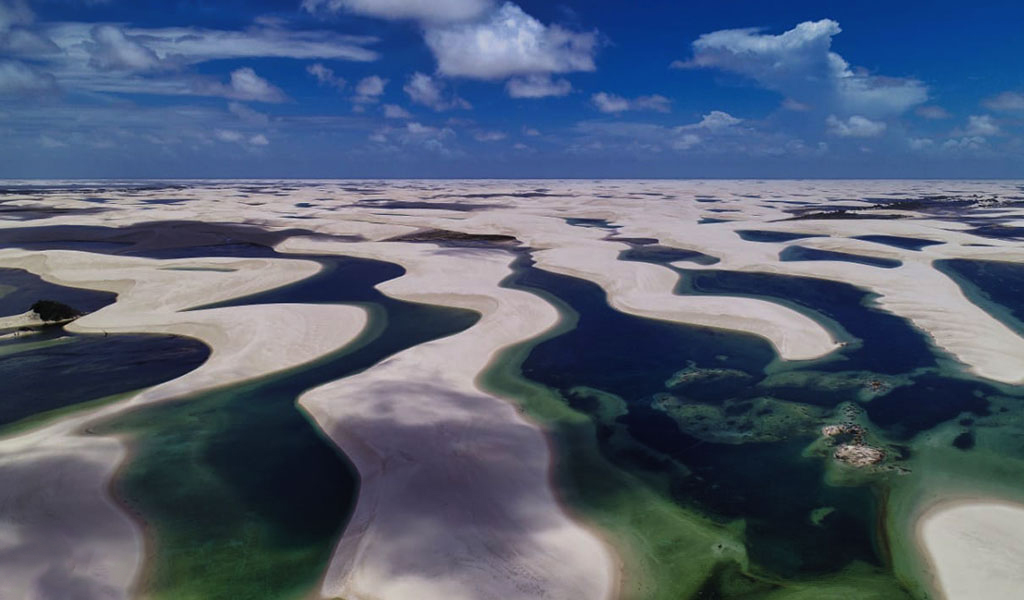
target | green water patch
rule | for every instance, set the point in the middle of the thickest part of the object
(900, 241)
(995, 286)
(241, 495)
(802, 253)
(723, 513)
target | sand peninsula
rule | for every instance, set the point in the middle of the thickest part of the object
(496, 527)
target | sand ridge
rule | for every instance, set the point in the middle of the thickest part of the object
(60, 532)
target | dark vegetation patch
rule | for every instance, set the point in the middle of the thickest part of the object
(51, 310)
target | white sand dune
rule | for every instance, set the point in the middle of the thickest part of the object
(61, 535)
(454, 500)
(976, 548)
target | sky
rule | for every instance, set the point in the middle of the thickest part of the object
(531, 88)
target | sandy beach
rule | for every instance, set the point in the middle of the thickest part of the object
(976, 548)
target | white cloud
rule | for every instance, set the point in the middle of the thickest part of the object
(14, 13)
(855, 126)
(530, 131)
(509, 43)
(537, 86)
(981, 126)
(325, 76)
(227, 135)
(432, 139)
(393, 111)
(112, 50)
(1006, 101)
(717, 120)
(425, 90)
(965, 144)
(799, 63)
(791, 104)
(932, 112)
(247, 114)
(20, 79)
(369, 89)
(259, 140)
(192, 45)
(430, 11)
(920, 143)
(489, 136)
(611, 103)
(245, 84)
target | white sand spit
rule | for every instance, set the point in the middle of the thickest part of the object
(976, 549)
(61, 535)
(455, 501)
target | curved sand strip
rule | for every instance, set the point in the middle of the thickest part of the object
(955, 324)
(455, 501)
(61, 535)
(976, 549)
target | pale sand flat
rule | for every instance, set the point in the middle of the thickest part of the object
(455, 501)
(61, 535)
(976, 549)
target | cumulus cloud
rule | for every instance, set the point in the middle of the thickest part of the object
(932, 112)
(429, 11)
(428, 91)
(235, 137)
(537, 86)
(20, 79)
(112, 50)
(981, 126)
(611, 103)
(393, 111)
(509, 43)
(369, 89)
(800, 64)
(1005, 102)
(325, 76)
(16, 38)
(717, 120)
(244, 84)
(14, 13)
(855, 127)
(432, 139)
(248, 115)
(489, 136)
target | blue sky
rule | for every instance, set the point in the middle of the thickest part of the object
(485, 88)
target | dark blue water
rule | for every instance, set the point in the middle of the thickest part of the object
(82, 367)
(800, 253)
(771, 485)
(995, 281)
(754, 235)
(899, 241)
